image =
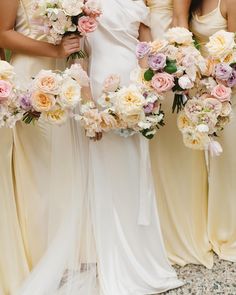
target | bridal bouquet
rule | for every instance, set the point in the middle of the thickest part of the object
(52, 96)
(174, 65)
(124, 110)
(62, 17)
(10, 108)
(210, 110)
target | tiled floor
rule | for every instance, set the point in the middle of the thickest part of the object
(221, 280)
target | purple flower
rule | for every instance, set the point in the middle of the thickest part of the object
(25, 101)
(149, 108)
(142, 49)
(157, 61)
(223, 71)
(232, 79)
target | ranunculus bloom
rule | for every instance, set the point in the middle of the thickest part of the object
(87, 24)
(162, 82)
(223, 71)
(5, 90)
(142, 49)
(185, 82)
(157, 61)
(222, 93)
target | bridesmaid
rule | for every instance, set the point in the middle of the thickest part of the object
(210, 16)
(26, 149)
(180, 174)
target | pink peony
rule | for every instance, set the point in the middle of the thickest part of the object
(5, 90)
(162, 82)
(222, 93)
(87, 24)
(112, 83)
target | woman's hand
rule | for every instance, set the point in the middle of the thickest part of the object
(69, 44)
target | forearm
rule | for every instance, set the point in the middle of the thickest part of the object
(181, 13)
(17, 42)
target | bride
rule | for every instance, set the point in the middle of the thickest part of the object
(104, 231)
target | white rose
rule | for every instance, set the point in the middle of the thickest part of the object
(226, 109)
(47, 82)
(55, 116)
(6, 70)
(72, 7)
(179, 35)
(185, 82)
(70, 94)
(221, 44)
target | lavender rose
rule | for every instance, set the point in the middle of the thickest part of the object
(149, 108)
(157, 61)
(142, 49)
(223, 71)
(25, 102)
(232, 79)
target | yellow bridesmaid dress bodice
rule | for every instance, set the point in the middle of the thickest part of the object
(206, 25)
(160, 4)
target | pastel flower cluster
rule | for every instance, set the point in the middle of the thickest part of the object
(125, 110)
(10, 110)
(210, 110)
(174, 64)
(56, 18)
(53, 95)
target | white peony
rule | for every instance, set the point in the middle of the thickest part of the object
(180, 36)
(185, 82)
(70, 94)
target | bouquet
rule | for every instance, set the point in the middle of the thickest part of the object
(10, 109)
(52, 96)
(125, 110)
(210, 109)
(58, 18)
(174, 65)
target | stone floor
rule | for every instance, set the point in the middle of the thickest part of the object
(202, 281)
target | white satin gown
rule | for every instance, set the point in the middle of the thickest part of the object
(131, 254)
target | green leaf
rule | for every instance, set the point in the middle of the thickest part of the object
(148, 75)
(170, 67)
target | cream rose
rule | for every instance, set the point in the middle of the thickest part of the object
(56, 116)
(221, 44)
(158, 45)
(72, 7)
(112, 83)
(48, 82)
(70, 94)
(6, 70)
(42, 102)
(180, 36)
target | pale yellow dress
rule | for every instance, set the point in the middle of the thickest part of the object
(32, 147)
(180, 176)
(222, 184)
(13, 263)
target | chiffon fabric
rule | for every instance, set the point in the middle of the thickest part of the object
(180, 176)
(32, 148)
(129, 245)
(222, 169)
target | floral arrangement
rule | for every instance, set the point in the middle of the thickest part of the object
(52, 96)
(58, 18)
(10, 109)
(210, 109)
(174, 64)
(124, 110)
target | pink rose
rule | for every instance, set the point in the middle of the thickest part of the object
(222, 93)
(87, 24)
(5, 90)
(162, 82)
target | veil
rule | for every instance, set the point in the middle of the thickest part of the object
(68, 266)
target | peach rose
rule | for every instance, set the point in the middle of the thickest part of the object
(162, 82)
(48, 82)
(221, 92)
(42, 102)
(87, 24)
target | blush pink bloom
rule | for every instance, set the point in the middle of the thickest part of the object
(5, 90)
(87, 24)
(162, 82)
(222, 93)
